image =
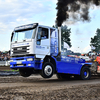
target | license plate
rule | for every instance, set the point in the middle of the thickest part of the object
(19, 65)
(19, 62)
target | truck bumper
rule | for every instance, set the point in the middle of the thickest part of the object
(25, 62)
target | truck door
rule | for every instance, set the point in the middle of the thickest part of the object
(42, 42)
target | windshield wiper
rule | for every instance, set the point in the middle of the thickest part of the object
(24, 40)
(15, 41)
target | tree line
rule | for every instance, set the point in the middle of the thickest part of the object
(65, 37)
(95, 41)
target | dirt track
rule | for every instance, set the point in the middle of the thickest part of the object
(5, 68)
(37, 88)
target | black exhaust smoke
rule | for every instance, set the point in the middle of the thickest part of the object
(80, 7)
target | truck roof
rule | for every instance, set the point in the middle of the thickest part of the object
(30, 26)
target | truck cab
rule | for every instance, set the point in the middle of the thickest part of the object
(32, 39)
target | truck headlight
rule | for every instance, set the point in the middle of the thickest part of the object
(11, 60)
(29, 59)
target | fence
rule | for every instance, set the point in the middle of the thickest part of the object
(4, 63)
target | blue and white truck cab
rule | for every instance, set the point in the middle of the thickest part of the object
(37, 49)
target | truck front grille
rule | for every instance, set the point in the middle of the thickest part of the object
(20, 50)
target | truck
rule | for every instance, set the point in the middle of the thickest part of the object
(36, 49)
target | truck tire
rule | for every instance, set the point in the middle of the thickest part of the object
(85, 73)
(47, 70)
(62, 76)
(25, 72)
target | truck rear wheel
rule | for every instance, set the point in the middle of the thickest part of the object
(85, 73)
(25, 72)
(47, 70)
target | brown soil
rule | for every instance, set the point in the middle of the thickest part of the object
(5, 68)
(37, 88)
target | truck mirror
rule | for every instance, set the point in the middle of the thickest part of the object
(38, 37)
(12, 35)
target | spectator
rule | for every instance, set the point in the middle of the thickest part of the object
(5, 58)
(0, 58)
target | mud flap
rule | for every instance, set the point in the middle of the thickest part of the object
(93, 67)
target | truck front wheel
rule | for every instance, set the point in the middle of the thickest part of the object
(47, 70)
(85, 73)
(25, 72)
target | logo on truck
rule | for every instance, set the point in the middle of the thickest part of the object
(19, 48)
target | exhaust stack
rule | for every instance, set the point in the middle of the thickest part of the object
(59, 30)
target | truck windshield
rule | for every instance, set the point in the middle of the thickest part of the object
(23, 35)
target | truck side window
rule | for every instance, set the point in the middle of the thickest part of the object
(52, 33)
(44, 34)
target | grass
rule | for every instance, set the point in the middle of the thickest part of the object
(12, 70)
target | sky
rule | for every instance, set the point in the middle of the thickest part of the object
(15, 13)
